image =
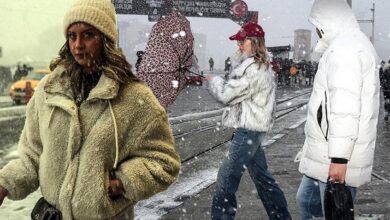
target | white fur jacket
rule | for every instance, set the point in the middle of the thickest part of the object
(249, 94)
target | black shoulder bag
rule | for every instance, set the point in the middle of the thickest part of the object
(45, 211)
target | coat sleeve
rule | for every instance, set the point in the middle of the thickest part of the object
(344, 87)
(229, 92)
(20, 176)
(153, 165)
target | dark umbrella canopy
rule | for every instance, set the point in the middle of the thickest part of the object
(168, 57)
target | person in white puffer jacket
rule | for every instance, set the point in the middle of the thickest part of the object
(343, 108)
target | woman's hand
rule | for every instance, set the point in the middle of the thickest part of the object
(337, 172)
(3, 194)
(115, 189)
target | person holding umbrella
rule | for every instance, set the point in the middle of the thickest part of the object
(249, 93)
(96, 140)
(139, 59)
(167, 60)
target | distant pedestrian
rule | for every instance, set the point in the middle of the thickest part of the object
(381, 70)
(211, 63)
(343, 109)
(286, 72)
(20, 72)
(228, 65)
(309, 73)
(293, 74)
(5, 79)
(385, 85)
(139, 59)
(386, 67)
(277, 69)
(250, 95)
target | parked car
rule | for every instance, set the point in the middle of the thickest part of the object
(22, 90)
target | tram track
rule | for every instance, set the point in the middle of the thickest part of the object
(290, 98)
(284, 110)
(380, 177)
(214, 117)
(213, 129)
(205, 131)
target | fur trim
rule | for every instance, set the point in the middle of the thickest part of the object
(249, 94)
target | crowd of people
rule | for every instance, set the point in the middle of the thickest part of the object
(384, 76)
(287, 71)
(291, 73)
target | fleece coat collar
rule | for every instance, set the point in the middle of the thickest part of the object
(58, 83)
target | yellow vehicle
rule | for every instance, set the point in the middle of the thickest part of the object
(22, 90)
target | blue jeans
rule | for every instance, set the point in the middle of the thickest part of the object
(310, 197)
(245, 152)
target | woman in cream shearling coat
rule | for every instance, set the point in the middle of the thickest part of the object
(96, 140)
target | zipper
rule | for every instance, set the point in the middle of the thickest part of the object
(326, 117)
(59, 190)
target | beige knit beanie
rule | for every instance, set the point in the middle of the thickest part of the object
(98, 13)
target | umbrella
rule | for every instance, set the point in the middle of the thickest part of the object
(168, 57)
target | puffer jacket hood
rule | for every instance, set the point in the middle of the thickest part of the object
(331, 17)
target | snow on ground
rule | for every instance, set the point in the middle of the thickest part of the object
(158, 205)
(196, 175)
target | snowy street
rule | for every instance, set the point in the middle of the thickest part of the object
(202, 144)
(195, 109)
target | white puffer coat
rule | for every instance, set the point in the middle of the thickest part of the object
(345, 93)
(249, 94)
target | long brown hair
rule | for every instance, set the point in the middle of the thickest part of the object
(259, 51)
(114, 64)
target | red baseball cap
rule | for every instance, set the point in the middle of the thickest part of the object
(248, 30)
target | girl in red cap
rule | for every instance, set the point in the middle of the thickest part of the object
(249, 93)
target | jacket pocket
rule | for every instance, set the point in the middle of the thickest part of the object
(322, 114)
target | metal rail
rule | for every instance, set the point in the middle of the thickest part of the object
(209, 127)
(214, 126)
(376, 175)
(290, 98)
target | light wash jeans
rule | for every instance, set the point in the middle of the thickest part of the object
(245, 152)
(310, 198)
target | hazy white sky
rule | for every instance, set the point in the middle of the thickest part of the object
(33, 28)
